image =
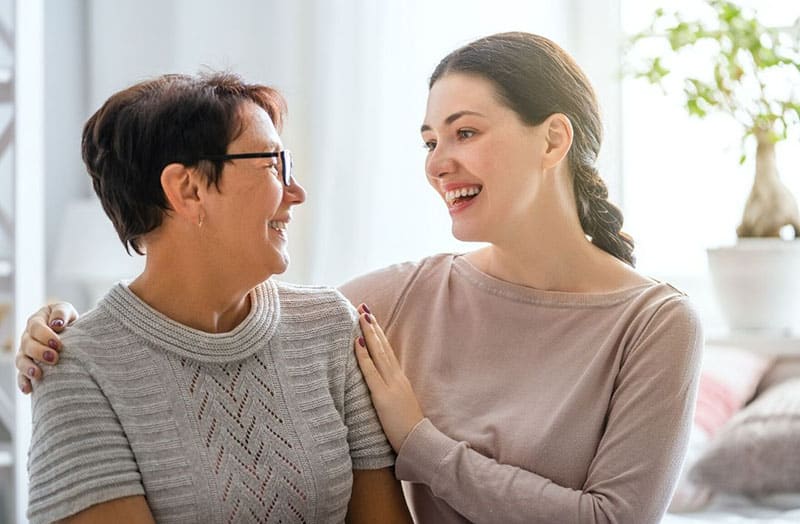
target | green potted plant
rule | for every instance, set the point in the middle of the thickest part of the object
(751, 73)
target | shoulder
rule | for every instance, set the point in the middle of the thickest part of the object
(88, 335)
(384, 288)
(664, 304)
(666, 323)
(303, 302)
(315, 313)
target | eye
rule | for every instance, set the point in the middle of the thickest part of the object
(429, 145)
(464, 134)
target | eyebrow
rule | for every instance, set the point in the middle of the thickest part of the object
(452, 118)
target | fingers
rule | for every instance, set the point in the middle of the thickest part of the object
(40, 342)
(375, 345)
(24, 384)
(26, 370)
(371, 375)
(61, 315)
(35, 350)
(379, 348)
(386, 346)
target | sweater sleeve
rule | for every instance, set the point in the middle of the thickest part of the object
(369, 448)
(79, 454)
(633, 473)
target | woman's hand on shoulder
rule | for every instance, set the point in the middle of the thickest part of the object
(40, 341)
(392, 395)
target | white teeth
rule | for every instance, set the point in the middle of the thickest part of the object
(279, 226)
(451, 196)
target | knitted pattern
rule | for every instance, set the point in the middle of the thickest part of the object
(261, 424)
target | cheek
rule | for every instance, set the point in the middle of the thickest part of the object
(267, 198)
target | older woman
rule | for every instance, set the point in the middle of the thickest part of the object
(204, 391)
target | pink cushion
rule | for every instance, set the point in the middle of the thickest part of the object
(728, 380)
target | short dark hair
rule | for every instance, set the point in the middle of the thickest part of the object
(171, 118)
(536, 78)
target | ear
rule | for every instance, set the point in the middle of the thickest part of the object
(558, 134)
(182, 187)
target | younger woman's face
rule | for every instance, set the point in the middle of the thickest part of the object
(482, 159)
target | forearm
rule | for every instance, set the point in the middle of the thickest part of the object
(126, 510)
(483, 490)
(377, 497)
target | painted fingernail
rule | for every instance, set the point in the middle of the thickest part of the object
(57, 323)
(366, 309)
(52, 343)
(32, 372)
(368, 318)
(362, 342)
(49, 356)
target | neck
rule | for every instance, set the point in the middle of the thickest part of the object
(550, 251)
(191, 289)
(544, 261)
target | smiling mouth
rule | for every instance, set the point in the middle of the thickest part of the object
(277, 225)
(461, 195)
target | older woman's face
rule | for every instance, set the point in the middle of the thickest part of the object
(248, 217)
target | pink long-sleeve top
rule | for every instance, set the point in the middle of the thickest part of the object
(541, 406)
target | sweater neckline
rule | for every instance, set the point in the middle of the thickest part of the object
(245, 339)
(521, 293)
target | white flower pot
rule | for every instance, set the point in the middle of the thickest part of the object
(757, 284)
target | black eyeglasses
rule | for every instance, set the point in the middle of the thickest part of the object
(284, 160)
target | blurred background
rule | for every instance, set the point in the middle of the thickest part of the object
(355, 75)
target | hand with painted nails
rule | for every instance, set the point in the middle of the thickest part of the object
(40, 341)
(392, 395)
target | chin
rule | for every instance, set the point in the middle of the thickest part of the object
(281, 265)
(467, 234)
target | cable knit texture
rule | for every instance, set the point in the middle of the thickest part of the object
(264, 423)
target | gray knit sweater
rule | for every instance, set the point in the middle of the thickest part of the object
(264, 423)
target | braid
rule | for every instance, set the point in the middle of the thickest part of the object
(599, 218)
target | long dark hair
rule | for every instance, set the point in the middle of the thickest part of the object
(536, 78)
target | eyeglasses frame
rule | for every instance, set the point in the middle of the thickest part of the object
(285, 157)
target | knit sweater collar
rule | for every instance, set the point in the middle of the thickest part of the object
(245, 339)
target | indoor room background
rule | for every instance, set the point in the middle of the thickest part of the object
(354, 73)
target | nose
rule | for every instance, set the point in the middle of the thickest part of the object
(294, 193)
(439, 162)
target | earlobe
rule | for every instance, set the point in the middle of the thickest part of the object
(182, 191)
